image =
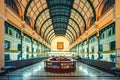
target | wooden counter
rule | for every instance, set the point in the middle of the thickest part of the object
(60, 66)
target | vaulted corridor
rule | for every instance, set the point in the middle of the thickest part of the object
(59, 39)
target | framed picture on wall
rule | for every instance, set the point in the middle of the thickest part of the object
(60, 45)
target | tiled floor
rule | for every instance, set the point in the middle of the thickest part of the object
(36, 72)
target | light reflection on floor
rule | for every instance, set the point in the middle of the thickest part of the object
(36, 72)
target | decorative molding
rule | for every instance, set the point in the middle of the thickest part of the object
(96, 23)
(109, 52)
(3, 18)
(117, 17)
(12, 51)
(22, 34)
(107, 14)
(8, 11)
(33, 33)
(98, 34)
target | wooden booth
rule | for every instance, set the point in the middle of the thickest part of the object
(60, 65)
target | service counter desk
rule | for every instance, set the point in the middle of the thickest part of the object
(60, 66)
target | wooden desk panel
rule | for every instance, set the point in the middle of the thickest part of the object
(60, 66)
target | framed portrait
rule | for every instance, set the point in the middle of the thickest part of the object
(60, 45)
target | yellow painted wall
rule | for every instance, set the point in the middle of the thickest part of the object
(1, 33)
(117, 32)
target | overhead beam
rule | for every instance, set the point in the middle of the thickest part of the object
(69, 26)
(29, 3)
(26, 9)
(65, 16)
(65, 29)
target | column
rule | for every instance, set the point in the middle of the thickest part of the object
(2, 18)
(40, 48)
(88, 48)
(32, 47)
(22, 35)
(23, 49)
(82, 50)
(44, 50)
(78, 49)
(98, 37)
(117, 19)
(37, 49)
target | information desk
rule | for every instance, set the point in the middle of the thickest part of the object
(60, 66)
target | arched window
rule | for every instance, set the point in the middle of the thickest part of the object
(108, 4)
(109, 33)
(103, 36)
(10, 32)
(29, 21)
(14, 5)
(92, 21)
(17, 35)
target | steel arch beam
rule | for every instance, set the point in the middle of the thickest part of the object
(39, 16)
(67, 27)
(65, 16)
(29, 3)
(60, 15)
(53, 32)
(26, 9)
(51, 18)
(51, 38)
(68, 39)
(61, 27)
(51, 35)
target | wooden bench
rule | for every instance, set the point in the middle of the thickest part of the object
(7, 69)
(116, 71)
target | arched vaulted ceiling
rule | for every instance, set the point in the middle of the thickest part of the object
(52, 18)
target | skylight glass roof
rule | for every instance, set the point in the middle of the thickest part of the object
(67, 18)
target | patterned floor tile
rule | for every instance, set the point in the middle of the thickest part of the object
(36, 72)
